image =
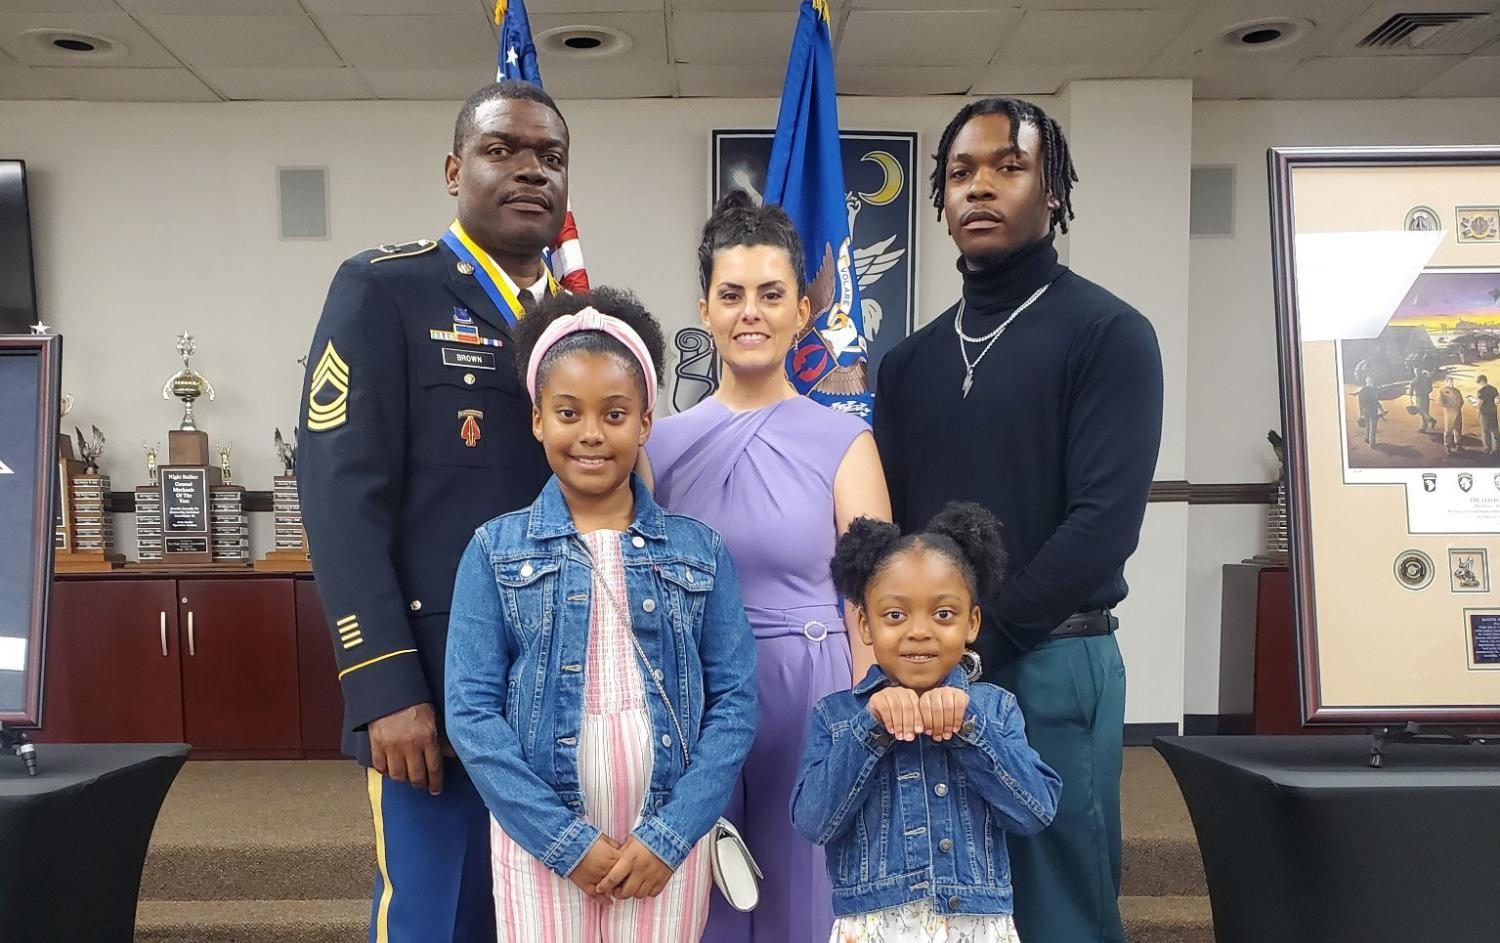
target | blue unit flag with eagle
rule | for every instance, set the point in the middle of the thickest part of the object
(805, 175)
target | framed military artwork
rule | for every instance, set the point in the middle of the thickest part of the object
(1387, 285)
(879, 172)
(30, 374)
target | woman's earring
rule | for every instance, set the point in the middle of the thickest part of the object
(970, 663)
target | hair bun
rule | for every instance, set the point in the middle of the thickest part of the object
(735, 200)
(977, 533)
(857, 553)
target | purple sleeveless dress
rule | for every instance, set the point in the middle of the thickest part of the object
(764, 480)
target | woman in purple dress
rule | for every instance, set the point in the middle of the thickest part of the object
(780, 477)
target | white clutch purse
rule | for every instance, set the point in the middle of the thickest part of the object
(736, 874)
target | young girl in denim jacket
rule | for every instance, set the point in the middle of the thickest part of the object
(914, 777)
(600, 670)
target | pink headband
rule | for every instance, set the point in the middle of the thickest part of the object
(592, 319)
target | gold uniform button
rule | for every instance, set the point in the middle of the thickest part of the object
(464, 268)
(469, 378)
(416, 604)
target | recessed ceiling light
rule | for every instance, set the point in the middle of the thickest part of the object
(71, 47)
(1264, 35)
(583, 42)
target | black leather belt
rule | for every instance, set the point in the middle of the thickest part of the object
(1081, 624)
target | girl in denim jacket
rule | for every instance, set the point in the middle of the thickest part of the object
(600, 669)
(914, 777)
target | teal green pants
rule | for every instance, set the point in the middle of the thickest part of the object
(1067, 878)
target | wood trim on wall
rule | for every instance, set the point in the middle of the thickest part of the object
(1169, 492)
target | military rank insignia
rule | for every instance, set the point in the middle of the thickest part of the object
(469, 429)
(328, 392)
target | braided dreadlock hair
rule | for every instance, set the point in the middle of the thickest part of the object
(1057, 163)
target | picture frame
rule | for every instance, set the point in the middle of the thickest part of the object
(1388, 329)
(30, 377)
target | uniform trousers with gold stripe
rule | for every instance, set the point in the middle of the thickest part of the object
(432, 855)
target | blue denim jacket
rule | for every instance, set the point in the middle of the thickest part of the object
(517, 642)
(920, 820)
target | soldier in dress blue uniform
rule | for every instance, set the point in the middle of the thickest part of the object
(415, 430)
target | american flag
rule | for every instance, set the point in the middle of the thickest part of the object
(517, 60)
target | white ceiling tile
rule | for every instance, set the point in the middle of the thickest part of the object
(703, 38)
(1008, 78)
(1111, 4)
(395, 7)
(535, 7)
(717, 81)
(741, 6)
(58, 6)
(1107, 36)
(1361, 78)
(244, 42)
(1474, 77)
(987, 5)
(448, 42)
(427, 84)
(899, 82)
(18, 83)
(647, 32)
(893, 38)
(214, 7)
(1201, 50)
(608, 79)
(142, 50)
(284, 84)
(136, 85)
(1241, 79)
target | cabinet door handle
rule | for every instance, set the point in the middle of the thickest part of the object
(192, 639)
(164, 633)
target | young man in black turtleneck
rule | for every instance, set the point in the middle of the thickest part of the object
(1039, 395)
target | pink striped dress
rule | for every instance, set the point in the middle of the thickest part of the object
(534, 905)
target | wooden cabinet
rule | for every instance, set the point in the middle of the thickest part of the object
(319, 695)
(113, 671)
(239, 664)
(236, 665)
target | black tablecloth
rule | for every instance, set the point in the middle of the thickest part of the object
(73, 839)
(1302, 841)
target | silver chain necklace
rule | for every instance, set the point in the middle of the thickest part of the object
(991, 337)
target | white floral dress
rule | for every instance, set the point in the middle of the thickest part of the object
(919, 923)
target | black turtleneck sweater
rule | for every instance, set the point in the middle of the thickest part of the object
(1058, 437)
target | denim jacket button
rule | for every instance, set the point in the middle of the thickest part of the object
(526, 570)
(638, 542)
(967, 729)
(946, 845)
(666, 740)
(953, 903)
(688, 574)
(649, 605)
(941, 790)
(656, 673)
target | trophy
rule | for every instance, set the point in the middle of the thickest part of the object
(152, 451)
(85, 530)
(1277, 549)
(290, 555)
(192, 514)
(187, 384)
